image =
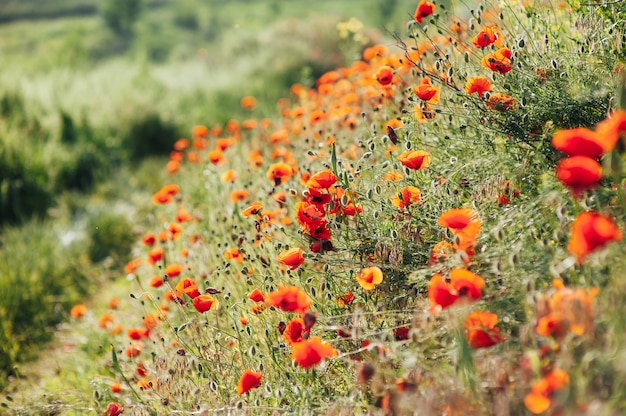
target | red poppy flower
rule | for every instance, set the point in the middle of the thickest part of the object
(579, 173)
(407, 196)
(311, 352)
(133, 350)
(384, 75)
(578, 142)
(498, 61)
(481, 331)
(427, 92)
(487, 36)
(289, 299)
(292, 257)
(254, 209)
(501, 102)
(279, 172)
(137, 333)
(256, 296)
(477, 84)
(114, 409)
(324, 180)
(440, 294)
(204, 303)
(249, 380)
(424, 9)
(591, 231)
(611, 129)
(173, 270)
(415, 159)
(294, 331)
(149, 239)
(78, 310)
(188, 287)
(466, 283)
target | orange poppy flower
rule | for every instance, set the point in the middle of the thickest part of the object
(481, 331)
(200, 132)
(579, 173)
(578, 142)
(289, 299)
(173, 270)
(427, 92)
(254, 209)
(369, 277)
(133, 350)
(151, 320)
(407, 196)
(477, 84)
(132, 265)
(591, 231)
(149, 239)
(248, 102)
(155, 255)
(229, 176)
(498, 61)
(292, 257)
(249, 380)
(384, 75)
(466, 283)
(463, 222)
(311, 352)
(611, 129)
(162, 198)
(424, 9)
(205, 302)
(105, 320)
(393, 176)
(415, 159)
(487, 36)
(279, 172)
(116, 387)
(238, 195)
(256, 296)
(440, 252)
(322, 180)
(78, 310)
(216, 156)
(181, 144)
(374, 51)
(294, 331)
(539, 398)
(501, 102)
(114, 409)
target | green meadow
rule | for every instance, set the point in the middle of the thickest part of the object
(289, 207)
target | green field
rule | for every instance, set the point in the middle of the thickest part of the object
(94, 103)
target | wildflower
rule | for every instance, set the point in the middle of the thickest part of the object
(155, 255)
(249, 380)
(578, 142)
(384, 75)
(311, 352)
(407, 196)
(294, 331)
(440, 252)
(402, 333)
(116, 387)
(256, 296)
(579, 173)
(173, 270)
(498, 61)
(234, 253)
(248, 102)
(149, 239)
(427, 92)
(611, 129)
(289, 299)
(188, 287)
(322, 180)
(200, 132)
(204, 302)
(229, 176)
(133, 350)
(137, 333)
(487, 36)
(565, 310)
(156, 281)
(463, 283)
(279, 172)
(480, 330)
(292, 258)
(181, 144)
(216, 156)
(345, 299)
(424, 9)
(254, 209)
(464, 223)
(440, 294)
(477, 84)
(590, 232)
(466, 283)
(539, 398)
(78, 310)
(415, 159)
(501, 102)
(114, 409)
(369, 277)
